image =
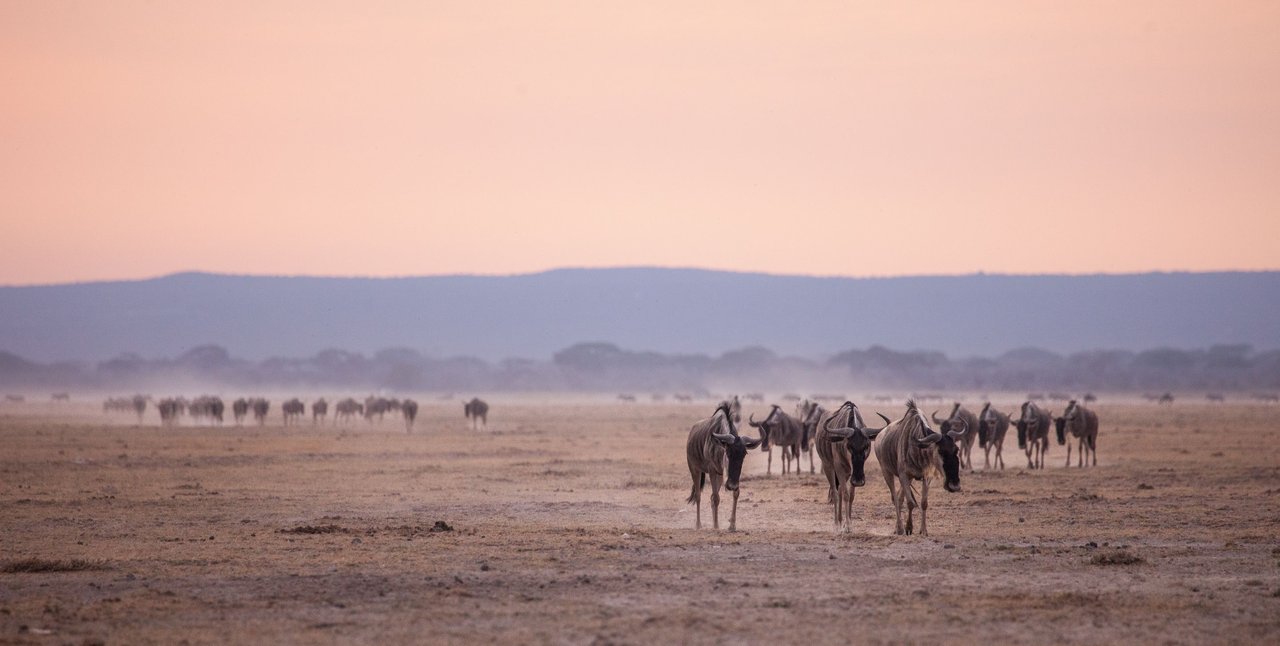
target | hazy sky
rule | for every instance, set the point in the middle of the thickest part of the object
(367, 138)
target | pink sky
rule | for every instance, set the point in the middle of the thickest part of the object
(141, 138)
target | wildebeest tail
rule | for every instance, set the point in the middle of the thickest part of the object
(983, 429)
(1022, 434)
(804, 439)
(693, 494)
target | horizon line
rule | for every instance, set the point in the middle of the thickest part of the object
(522, 274)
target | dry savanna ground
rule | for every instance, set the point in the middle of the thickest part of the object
(565, 521)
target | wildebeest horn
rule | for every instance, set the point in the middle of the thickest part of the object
(934, 416)
(750, 442)
(751, 419)
(964, 428)
(871, 433)
(839, 434)
(723, 438)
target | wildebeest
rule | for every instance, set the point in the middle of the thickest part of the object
(992, 427)
(716, 449)
(1166, 398)
(1033, 433)
(784, 431)
(62, 397)
(170, 409)
(375, 406)
(346, 409)
(409, 409)
(319, 411)
(960, 414)
(240, 408)
(293, 410)
(908, 450)
(1089, 398)
(626, 397)
(1082, 423)
(206, 407)
(260, 408)
(735, 408)
(810, 412)
(1216, 397)
(843, 450)
(476, 410)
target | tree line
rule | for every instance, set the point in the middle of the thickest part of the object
(606, 367)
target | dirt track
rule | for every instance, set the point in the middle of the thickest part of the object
(569, 525)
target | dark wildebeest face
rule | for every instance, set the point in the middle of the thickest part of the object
(1060, 424)
(948, 451)
(857, 439)
(766, 427)
(735, 447)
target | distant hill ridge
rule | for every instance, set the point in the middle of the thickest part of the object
(662, 310)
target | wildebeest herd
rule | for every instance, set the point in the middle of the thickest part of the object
(911, 451)
(208, 410)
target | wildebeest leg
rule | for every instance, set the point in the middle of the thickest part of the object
(733, 512)
(715, 500)
(893, 497)
(986, 457)
(1000, 455)
(811, 457)
(1068, 455)
(698, 478)
(848, 509)
(910, 497)
(924, 506)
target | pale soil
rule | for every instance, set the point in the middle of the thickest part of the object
(570, 526)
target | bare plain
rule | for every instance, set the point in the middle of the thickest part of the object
(564, 521)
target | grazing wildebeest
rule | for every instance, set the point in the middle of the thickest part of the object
(992, 425)
(626, 397)
(960, 414)
(240, 408)
(1033, 433)
(346, 409)
(1089, 398)
(716, 449)
(908, 450)
(784, 431)
(319, 411)
(409, 409)
(1166, 398)
(1082, 423)
(844, 442)
(260, 408)
(476, 410)
(293, 410)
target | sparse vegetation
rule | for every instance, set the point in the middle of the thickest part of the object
(1116, 557)
(50, 565)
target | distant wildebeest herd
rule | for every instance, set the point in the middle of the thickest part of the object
(911, 451)
(208, 410)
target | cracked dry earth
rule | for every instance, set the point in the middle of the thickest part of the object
(566, 522)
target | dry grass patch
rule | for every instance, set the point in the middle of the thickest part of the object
(1116, 557)
(50, 565)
